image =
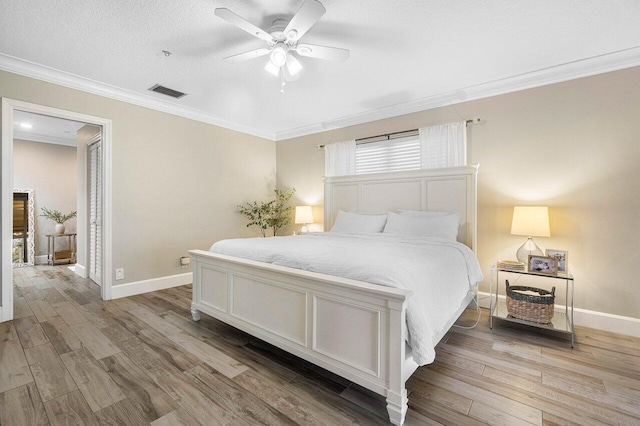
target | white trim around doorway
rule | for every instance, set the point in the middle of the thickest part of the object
(6, 162)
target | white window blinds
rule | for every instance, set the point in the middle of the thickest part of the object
(388, 155)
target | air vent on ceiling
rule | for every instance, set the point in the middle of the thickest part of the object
(166, 91)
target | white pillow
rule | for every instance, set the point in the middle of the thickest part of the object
(445, 227)
(359, 223)
(424, 213)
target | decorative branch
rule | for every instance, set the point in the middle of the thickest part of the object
(56, 216)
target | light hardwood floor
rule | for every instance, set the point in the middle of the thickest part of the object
(69, 358)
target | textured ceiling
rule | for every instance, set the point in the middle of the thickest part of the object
(45, 129)
(401, 51)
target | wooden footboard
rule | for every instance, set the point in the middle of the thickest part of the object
(354, 329)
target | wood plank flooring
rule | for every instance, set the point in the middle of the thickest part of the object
(69, 358)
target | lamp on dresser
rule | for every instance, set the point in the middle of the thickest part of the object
(530, 221)
(304, 215)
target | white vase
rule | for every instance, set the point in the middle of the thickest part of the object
(60, 228)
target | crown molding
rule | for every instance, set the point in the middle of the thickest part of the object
(35, 137)
(613, 61)
(51, 75)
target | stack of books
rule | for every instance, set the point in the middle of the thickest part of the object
(510, 265)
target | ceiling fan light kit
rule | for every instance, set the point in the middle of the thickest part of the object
(282, 41)
(293, 65)
(272, 69)
(279, 54)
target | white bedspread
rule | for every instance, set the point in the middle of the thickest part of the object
(440, 273)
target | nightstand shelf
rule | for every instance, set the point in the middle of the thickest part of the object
(561, 322)
(64, 256)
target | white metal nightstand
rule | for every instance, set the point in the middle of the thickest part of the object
(561, 322)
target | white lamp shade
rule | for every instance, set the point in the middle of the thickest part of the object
(304, 214)
(279, 55)
(293, 65)
(272, 69)
(530, 221)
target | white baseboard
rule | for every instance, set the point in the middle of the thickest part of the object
(81, 271)
(154, 284)
(41, 260)
(6, 311)
(586, 318)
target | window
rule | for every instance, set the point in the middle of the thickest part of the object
(388, 155)
(443, 145)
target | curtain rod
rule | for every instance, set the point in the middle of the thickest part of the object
(388, 136)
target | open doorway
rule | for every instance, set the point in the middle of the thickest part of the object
(45, 169)
(89, 252)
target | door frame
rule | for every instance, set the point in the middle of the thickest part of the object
(6, 164)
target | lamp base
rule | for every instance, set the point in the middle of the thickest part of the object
(528, 248)
(304, 229)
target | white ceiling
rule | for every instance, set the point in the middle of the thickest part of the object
(45, 129)
(405, 55)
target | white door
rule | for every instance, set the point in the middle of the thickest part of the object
(95, 212)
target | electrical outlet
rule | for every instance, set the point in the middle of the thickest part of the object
(120, 274)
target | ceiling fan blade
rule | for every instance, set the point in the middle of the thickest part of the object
(323, 52)
(304, 19)
(248, 55)
(242, 23)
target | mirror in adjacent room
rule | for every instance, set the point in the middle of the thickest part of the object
(23, 250)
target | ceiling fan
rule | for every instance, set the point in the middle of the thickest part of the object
(282, 40)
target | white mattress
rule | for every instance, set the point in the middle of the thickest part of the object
(440, 273)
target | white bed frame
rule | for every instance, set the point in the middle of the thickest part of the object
(354, 329)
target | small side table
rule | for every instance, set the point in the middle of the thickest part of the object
(561, 322)
(63, 256)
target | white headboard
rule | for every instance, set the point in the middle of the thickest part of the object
(451, 189)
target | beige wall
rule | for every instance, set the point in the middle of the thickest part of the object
(50, 170)
(175, 181)
(574, 146)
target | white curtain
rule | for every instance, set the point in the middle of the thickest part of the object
(444, 145)
(340, 158)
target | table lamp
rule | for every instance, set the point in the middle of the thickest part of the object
(530, 222)
(304, 215)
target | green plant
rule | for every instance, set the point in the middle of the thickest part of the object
(280, 213)
(56, 216)
(273, 214)
(257, 214)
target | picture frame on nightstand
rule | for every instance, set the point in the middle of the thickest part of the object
(562, 256)
(544, 265)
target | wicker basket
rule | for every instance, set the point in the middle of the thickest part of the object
(62, 254)
(529, 307)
